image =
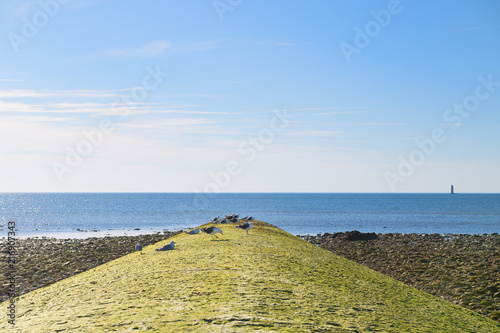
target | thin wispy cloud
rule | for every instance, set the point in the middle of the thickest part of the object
(188, 47)
(89, 105)
(409, 138)
(33, 119)
(149, 49)
(379, 124)
(19, 107)
(214, 83)
(197, 112)
(333, 109)
(322, 108)
(138, 110)
(59, 93)
(316, 133)
(347, 110)
(196, 95)
(108, 109)
(156, 48)
(168, 123)
(336, 112)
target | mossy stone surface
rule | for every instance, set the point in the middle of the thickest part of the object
(267, 281)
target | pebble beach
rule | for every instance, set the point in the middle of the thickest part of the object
(463, 269)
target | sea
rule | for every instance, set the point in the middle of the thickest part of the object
(82, 215)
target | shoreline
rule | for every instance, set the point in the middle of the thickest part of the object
(84, 233)
(95, 233)
(457, 267)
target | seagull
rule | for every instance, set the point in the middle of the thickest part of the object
(216, 220)
(138, 247)
(212, 231)
(193, 232)
(245, 226)
(234, 220)
(224, 220)
(167, 247)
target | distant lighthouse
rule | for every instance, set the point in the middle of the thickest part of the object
(452, 192)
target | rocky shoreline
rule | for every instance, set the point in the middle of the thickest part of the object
(42, 261)
(464, 269)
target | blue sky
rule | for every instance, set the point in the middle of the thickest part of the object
(249, 96)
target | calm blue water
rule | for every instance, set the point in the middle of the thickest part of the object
(57, 213)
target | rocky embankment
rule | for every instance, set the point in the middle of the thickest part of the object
(42, 261)
(464, 269)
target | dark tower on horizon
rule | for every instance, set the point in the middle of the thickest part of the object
(452, 191)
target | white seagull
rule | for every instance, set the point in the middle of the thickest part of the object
(167, 247)
(245, 226)
(193, 232)
(212, 231)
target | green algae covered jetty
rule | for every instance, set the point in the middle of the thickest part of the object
(267, 281)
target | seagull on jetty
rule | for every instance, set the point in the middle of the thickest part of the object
(212, 231)
(193, 232)
(167, 247)
(245, 226)
(232, 217)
